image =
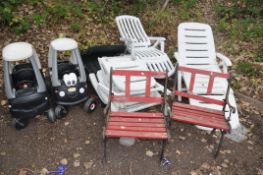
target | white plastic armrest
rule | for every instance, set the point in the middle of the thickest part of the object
(225, 59)
(159, 40)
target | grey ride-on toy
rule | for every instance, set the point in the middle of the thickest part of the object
(24, 83)
(68, 77)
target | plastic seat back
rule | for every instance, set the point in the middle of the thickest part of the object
(196, 44)
(130, 27)
(125, 63)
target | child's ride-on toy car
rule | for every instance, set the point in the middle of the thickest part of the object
(68, 78)
(24, 84)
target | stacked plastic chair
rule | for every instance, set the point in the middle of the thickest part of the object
(100, 82)
(139, 44)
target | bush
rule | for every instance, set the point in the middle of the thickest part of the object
(6, 10)
(241, 19)
(249, 69)
(9, 18)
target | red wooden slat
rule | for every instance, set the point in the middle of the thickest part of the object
(153, 125)
(145, 129)
(192, 81)
(137, 99)
(188, 106)
(201, 112)
(127, 85)
(137, 124)
(138, 73)
(194, 113)
(137, 114)
(136, 120)
(133, 134)
(201, 98)
(198, 117)
(203, 72)
(201, 122)
(210, 83)
(201, 118)
(148, 87)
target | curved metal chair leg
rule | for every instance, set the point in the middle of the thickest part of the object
(105, 151)
(220, 144)
(163, 145)
(211, 136)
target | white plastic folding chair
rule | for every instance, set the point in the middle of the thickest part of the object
(139, 44)
(196, 49)
(100, 82)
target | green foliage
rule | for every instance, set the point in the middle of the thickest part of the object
(8, 16)
(94, 7)
(58, 12)
(246, 68)
(40, 17)
(259, 54)
(52, 12)
(75, 26)
(22, 25)
(76, 9)
(34, 2)
(185, 8)
(259, 58)
(138, 6)
(116, 7)
(241, 19)
(7, 8)
(236, 84)
(251, 28)
(104, 11)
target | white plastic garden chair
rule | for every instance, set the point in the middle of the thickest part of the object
(100, 82)
(196, 49)
(139, 44)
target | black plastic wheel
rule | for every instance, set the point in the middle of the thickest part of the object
(51, 116)
(20, 123)
(60, 111)
(90, 105)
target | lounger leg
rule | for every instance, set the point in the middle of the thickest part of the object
(163, 145)
(179, 84)
(220, 143)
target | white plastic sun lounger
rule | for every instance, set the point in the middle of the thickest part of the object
(196, 49)
(139, 44)
(100, 82)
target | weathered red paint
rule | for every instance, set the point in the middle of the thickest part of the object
(147, 125)
(200, 115)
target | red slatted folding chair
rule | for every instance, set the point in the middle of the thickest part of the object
(199, 115)
(144, 125)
